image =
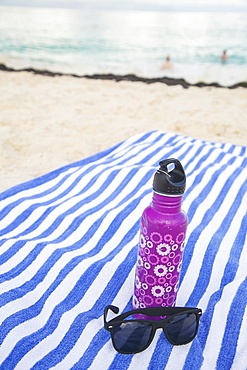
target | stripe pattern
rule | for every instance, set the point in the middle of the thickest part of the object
(68, 248)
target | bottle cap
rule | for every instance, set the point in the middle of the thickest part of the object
(170, 178)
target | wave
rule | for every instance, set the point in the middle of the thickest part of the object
(224, 75)
(204, 74)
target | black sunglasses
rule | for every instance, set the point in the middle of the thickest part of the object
(133, 336)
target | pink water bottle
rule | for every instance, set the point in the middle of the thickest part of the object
(161, 244)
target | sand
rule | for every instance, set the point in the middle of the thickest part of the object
(48, 122)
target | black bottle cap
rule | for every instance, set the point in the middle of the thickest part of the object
(170, 178)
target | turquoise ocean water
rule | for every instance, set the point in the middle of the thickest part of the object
(121, 42)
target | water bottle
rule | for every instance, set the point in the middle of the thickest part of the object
(161, 243)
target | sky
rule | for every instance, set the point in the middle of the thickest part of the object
(155, 5)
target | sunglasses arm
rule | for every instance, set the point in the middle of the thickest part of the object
(113, 309)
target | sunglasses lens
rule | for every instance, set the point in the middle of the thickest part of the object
(182, 328)
(132, 336)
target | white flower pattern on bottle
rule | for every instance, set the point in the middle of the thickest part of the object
(179, 266)
(172, 268)
(135, 302)
(157, 290)
(142, 241)
(160, 270)
(158, 267)
(138, 282)
(163, 249)
(147, 265)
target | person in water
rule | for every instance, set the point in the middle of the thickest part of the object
(224, 56)
(167, 64)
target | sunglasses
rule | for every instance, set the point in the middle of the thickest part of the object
(180, 326)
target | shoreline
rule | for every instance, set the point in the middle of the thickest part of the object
(47, 123)
(129, 77)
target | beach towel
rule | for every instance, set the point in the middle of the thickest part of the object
(69, 244)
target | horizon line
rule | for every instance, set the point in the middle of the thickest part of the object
(151, 8)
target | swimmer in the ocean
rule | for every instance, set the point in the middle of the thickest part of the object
(224, 56)
(167, 64)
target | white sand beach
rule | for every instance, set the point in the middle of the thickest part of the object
(48, 122)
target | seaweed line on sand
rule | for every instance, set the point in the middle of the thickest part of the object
(128, 77)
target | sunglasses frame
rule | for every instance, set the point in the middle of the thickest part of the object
(156, 324)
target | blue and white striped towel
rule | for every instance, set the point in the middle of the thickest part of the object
(69, 246)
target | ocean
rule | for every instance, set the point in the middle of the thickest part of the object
(126, 42)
